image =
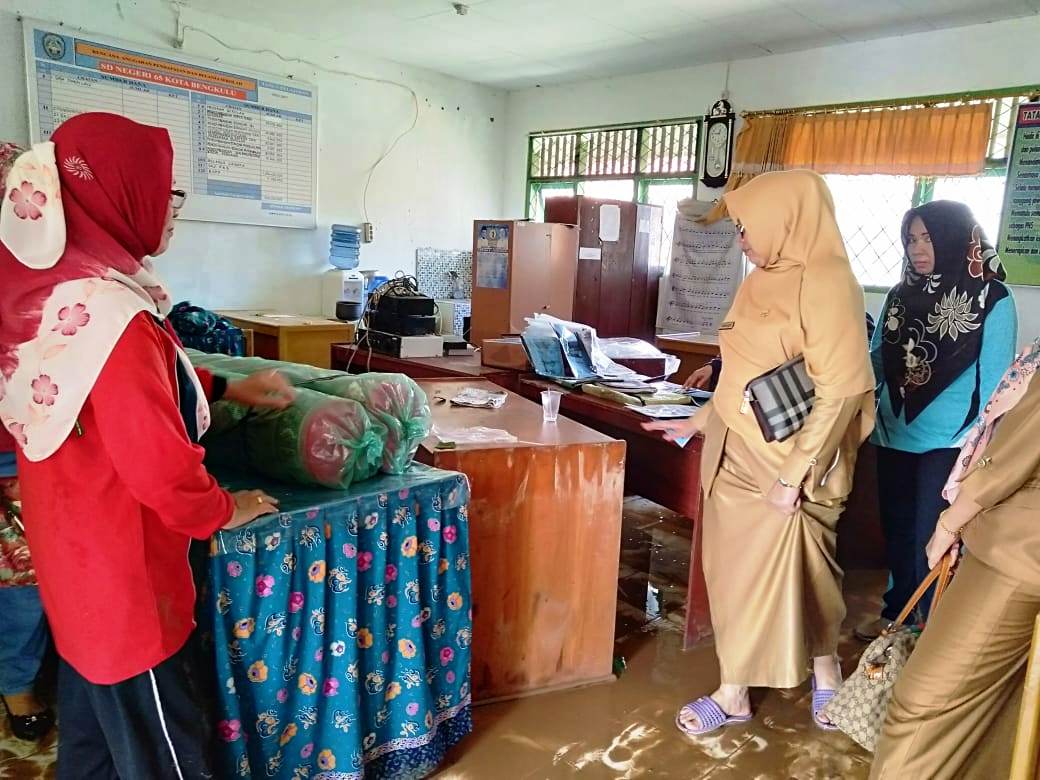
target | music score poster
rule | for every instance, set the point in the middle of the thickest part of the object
(707, 267)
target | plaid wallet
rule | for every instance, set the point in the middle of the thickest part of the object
(781, 399)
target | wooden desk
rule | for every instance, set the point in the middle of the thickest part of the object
(290, 337)
(545, 536)
(467, 367)
(654, 469)
(670, 476)
(692, 351)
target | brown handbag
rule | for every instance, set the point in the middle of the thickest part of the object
(860, 705)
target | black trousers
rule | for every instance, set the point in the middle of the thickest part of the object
(150, 727)
(910, 487)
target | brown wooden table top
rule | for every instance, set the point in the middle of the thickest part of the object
(431, 367)
(271, 321)
(597, 409)
(519, 416)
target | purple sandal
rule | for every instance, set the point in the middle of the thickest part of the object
(711, 715)
(821, 698)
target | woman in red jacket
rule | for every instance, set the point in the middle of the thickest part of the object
(106, 412)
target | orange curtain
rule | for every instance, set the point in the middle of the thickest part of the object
(929, 141)
(948, 141)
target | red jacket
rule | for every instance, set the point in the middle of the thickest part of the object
(111, 514)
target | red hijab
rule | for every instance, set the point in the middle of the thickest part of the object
(79, 217)
(116, 177)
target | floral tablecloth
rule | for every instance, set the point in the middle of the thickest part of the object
(342, 631)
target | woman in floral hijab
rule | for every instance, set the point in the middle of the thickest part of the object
(945, 337)
(23, 627)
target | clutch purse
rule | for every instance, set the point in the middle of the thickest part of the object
(781, 399)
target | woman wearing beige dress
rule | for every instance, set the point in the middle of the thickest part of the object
(771, 509)
(954, 707)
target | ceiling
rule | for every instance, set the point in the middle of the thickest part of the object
(512, 44)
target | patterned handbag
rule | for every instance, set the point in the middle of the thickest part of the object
(860, 705)
(781, 399)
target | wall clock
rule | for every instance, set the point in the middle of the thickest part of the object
(718, 144)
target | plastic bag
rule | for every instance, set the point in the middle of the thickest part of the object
(625, 348)
(601, 364)
(394, 400)
(319, 440)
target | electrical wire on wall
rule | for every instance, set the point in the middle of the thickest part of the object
(183, 28)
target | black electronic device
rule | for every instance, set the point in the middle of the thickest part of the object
(404, 324)
(406, 303)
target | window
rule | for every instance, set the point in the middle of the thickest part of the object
(654, 163)
(870, 208)
(608, 189)
(667, 193)
(542, 192)
(984, 195)
(870, 211)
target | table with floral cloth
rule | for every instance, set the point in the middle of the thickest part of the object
(342, 631)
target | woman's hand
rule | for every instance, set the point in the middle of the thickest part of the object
(674, 429)
(263, 390)
(941, 543)
(249, 505)
(785, 500)
(698, 379)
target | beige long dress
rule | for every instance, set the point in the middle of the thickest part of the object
(955, 705)
(774, 584)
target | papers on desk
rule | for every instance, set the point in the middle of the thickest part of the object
(665, 411)
(571, 352)
(657, 398)
(630, 386)
(694, 393)
(475, 435)
(555, 351)
(476, 398)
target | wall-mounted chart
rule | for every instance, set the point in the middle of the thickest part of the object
(706, 269)
(1019, 239)
(245, 144)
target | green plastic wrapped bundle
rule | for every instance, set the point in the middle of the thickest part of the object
(394, 400)
(398, 403)
(319, 440)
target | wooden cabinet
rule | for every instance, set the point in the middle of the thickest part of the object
(291, 337)
(520, 269)
(619, 270)
(545, 541)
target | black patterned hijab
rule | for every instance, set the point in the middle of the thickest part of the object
(933, 324)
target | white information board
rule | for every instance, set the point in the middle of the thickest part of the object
(245, 144)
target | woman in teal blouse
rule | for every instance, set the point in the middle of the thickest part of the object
(945, 337)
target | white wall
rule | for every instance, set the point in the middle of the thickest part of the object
(440, 178)
(988, 56)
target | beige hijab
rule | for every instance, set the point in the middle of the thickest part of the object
(805, 301)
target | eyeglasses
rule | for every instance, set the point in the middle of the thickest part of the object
(177, 198)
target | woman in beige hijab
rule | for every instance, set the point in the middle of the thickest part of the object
(771, 509)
